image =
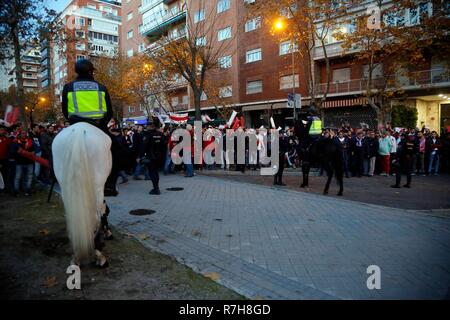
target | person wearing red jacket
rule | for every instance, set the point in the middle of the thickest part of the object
(24, 165)
(4, 147)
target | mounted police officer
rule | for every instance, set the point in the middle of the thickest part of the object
(86, 100)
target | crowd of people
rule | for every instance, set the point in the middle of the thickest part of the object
(365, 152)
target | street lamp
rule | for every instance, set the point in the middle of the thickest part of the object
(279, 26)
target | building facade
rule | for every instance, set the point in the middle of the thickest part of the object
(259, 70)
(92, 28)
(31, 64)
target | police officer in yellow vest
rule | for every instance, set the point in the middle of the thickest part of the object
(86, 100)
(315, 124)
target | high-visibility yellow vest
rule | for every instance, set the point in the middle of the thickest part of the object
(86, 100)
(316, 127)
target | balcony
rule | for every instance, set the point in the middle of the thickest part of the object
(434, 78)
(89, 12)
(158, 23)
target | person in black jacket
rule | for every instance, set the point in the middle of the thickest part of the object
(344, 142)
(403, 162)
(356, 148)
(370, 151)
(152, 153)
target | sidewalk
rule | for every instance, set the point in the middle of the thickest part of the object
(280, 244)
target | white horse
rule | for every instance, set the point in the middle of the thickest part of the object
(82, 162)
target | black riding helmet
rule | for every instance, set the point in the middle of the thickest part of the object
(84, 67)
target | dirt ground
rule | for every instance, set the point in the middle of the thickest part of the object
(35, 254)
(427, 193)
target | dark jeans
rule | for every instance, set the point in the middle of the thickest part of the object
(405, 166)
(358, 162)
(154, 174)
(25, 170)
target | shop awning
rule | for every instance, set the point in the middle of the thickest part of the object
(344, 103)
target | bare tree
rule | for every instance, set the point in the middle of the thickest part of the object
(20, 23)
(193, 54)
(308, 24)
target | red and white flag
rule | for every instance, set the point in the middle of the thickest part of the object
(179, 118)
(11, 115)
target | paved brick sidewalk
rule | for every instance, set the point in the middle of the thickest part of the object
(282, 244)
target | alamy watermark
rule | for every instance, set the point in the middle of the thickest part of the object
(74, 280)
(374, 280)
(246, 147)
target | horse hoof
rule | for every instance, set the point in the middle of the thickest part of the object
(303, 186)
(340, 194)
(325, 193)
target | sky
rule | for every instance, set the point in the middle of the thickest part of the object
(57, 5)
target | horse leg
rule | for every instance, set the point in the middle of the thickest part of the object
(305, 171)
(104, 222)
(340, 179)
(329, 172)
(99, 244)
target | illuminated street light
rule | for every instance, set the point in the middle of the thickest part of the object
(279, 25)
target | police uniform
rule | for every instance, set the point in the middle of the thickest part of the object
(86, 100)
(152, 149)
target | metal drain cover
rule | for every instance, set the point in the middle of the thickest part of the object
(142, 212)
(175, 189)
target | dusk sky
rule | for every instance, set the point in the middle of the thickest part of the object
(57, 5)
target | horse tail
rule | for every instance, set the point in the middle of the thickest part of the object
(79, 196)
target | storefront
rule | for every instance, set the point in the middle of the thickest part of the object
(354, 112)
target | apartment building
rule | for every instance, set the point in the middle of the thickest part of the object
(143, 24)
(92, 27)
(424, 86)
(31, 63)
(259, 69)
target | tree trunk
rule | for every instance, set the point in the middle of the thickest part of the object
(19, 78)
(197, 105)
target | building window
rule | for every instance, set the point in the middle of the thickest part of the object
(286, 47)
(129, 16)
(253, 24)
(225, 62)
(130, 34)
(254, 86)
(224, 34)
(200, 42)
(80, 21)
(226, 92)
(249, 1)
(286, 82)
(341, 75)
(141, 47)
(130, 109)
(185, 100)
(223, 5)
(253, 55)
(174, 101)
(130, 53)
(199, 16)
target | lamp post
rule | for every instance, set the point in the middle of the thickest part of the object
(280, 26)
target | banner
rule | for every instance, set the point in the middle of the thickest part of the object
(179, 118)
(12, 114)
(230, 122)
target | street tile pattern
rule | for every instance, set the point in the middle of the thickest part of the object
(269, 243)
